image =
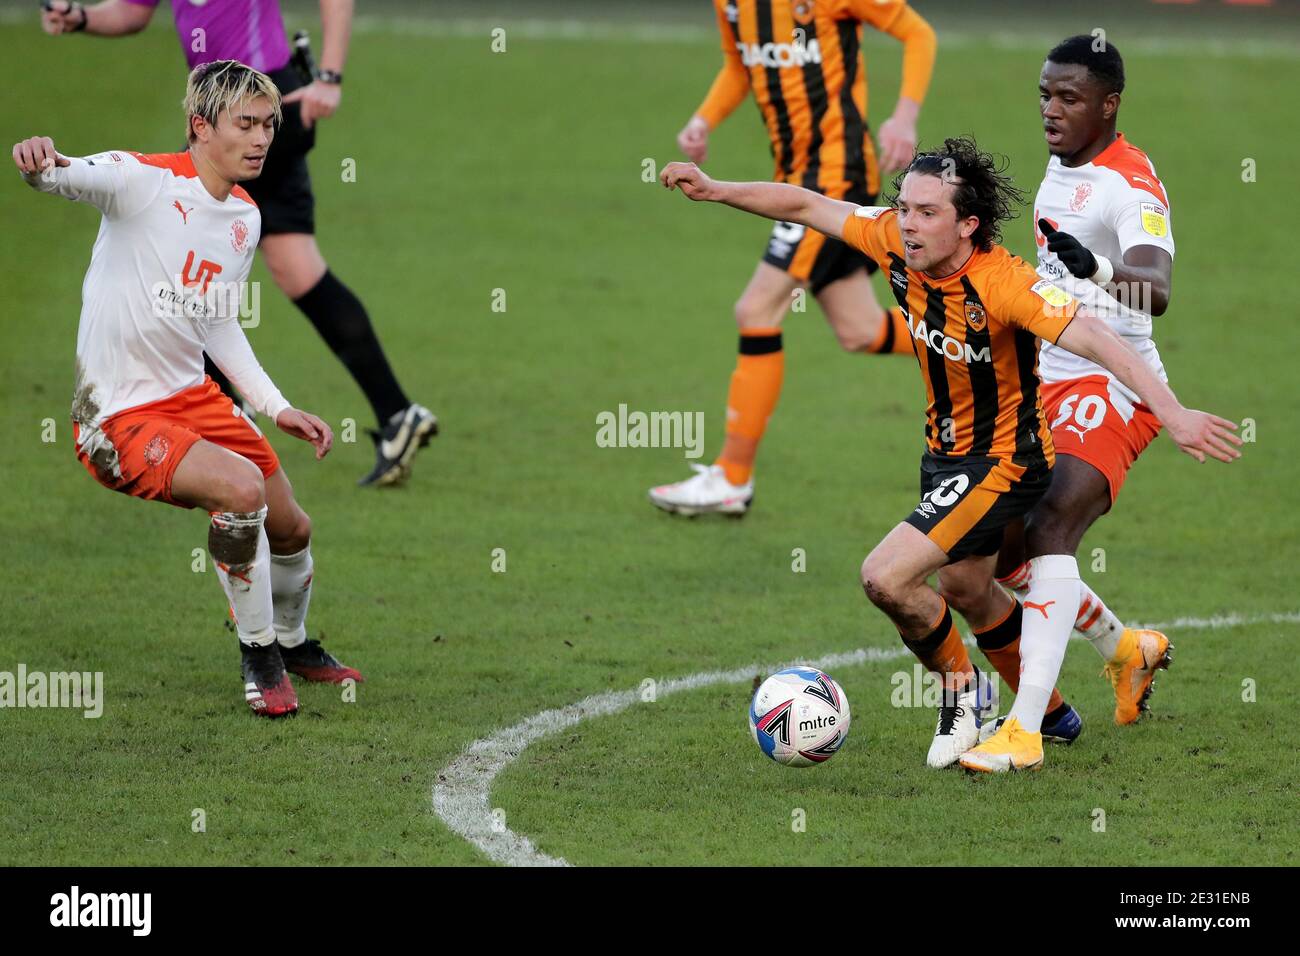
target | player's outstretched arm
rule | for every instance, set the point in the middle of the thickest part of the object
(112, 18)
(108, 181)
(779, 201)
(1197, 433)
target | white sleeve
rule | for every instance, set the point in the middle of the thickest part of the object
(228, 346)
(114, 182)
(1141, 219)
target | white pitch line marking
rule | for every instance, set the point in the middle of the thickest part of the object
(460, 795)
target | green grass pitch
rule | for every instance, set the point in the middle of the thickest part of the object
(522, 172)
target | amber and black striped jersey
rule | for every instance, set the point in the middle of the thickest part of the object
(975, 334)
(802, 59)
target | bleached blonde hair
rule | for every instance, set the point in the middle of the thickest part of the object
(215, 87)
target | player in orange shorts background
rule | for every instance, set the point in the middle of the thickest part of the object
(1104, 235)
(802, 61)
(976, 314)
(165, 283)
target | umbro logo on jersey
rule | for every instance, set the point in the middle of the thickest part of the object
(185, 213)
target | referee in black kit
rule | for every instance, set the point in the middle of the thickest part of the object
(252, 32)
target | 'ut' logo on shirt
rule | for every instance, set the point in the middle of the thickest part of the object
(202, 276)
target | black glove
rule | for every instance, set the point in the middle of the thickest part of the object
(1073, 254)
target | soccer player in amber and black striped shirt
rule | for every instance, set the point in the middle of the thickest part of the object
(802, 60)
(974, 313)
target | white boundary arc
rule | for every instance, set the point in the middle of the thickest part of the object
(463, 787)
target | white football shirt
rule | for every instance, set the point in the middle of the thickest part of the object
(1110, 205)
(166, 282)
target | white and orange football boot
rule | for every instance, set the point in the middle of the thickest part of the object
(1133, 671)
(705, 492)
(1011, 748)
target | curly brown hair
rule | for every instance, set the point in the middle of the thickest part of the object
(984, 190)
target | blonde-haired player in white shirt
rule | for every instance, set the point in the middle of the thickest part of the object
(165, 283)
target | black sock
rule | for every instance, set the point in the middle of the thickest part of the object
(342, 322)
(1054, 716)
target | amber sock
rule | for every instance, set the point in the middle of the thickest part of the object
(942, 652)
(894, 337)
(755, 388)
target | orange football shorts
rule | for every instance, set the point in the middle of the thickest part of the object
(1088, 423)
(141, 446)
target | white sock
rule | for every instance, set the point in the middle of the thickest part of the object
(1096, 621)
(291, 593)
(1098, 624)
(1050, 609)
(241, 553)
